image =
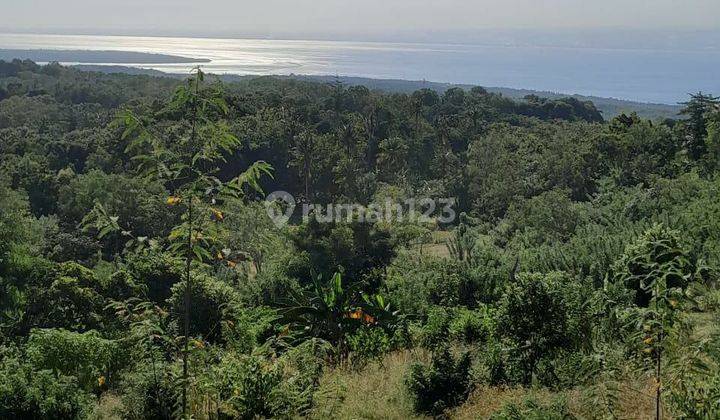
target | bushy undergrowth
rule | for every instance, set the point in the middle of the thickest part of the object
(531, 409)
(444, 384)
(27, 392)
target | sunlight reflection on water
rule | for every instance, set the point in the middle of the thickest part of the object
(644, 75)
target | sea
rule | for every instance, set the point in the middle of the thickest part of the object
(664, 75)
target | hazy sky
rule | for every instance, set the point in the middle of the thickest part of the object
(356, 18)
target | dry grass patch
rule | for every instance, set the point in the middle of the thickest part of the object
(109, 407)
(376, 392)
(485, 401)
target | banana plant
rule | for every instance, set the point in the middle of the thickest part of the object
(331, 310)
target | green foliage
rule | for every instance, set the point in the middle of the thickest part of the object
(29, 393)
(71, 300)
(442, 385)
(133, 205)
(245, 329)
(530, 409)
(248, 387)
(436, 329)
(113, 234)
(356, 249)
(712, 142)
(186, 158)
(368, 343)
(499, 167)
(472, 326)
(210, 299)
(332, 311)
(535, 318)
(633, 150)
(14, 210)
(697, 399)
(156, 270)
(416, 283)
(251, 386)
(657, 256)
(548, 217)
(145, 396)
(87, 356)
(459, 324)
(697, 110)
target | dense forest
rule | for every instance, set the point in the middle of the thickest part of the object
(141, 277)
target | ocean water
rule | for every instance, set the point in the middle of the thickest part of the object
(647, 75)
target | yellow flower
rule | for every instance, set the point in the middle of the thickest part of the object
(173, 200)
(673, 303)
(648, 340)
(357, 314)
(647, 351)
(217, 215)
(360, 315)
(101, 381)
(220, 256)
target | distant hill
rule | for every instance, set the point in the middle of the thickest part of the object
(87, 56)
(610, 107)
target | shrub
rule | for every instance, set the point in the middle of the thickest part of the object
(534, 319)
(436, 330)
(564, 370)
(26, 393)
(157, 271)
(658, 250)
(71, 301)
(549, 217)
(267, 287)
(369, 343)
(243, 328)
(459, 324)
(251, 384)
(442, 385)
(415, 284)
(255, 387)
(471, 326)
(120, 286)
(209, 299)
(493, 360)
(148, 392)
(697, 399)
(86, 356)
(531, 409)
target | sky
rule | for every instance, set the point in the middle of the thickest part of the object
(357, 19)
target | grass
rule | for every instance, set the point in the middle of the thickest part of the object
(109, 407)
(378, 392)
(375, 392)
(436, 245)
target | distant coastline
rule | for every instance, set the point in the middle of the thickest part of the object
(95, 57)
